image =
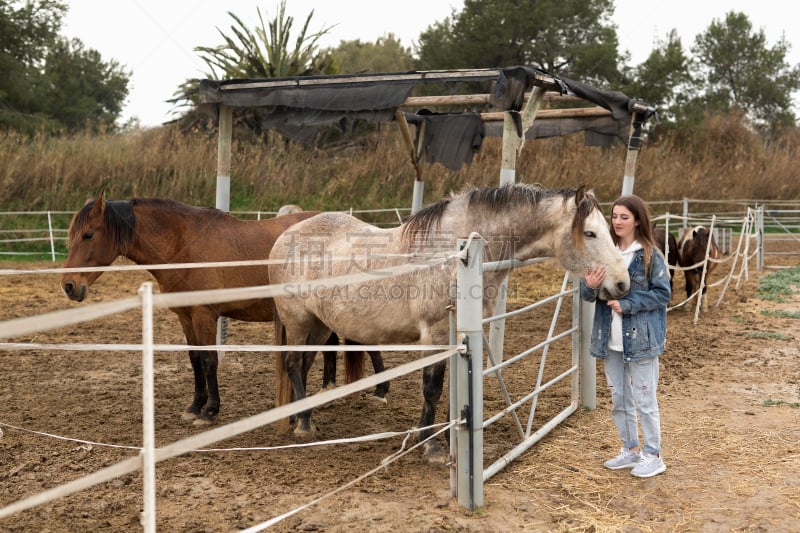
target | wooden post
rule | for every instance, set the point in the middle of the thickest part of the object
(513, 141)
(634, 144)
(414, 152)
(224, 158)
(223, 201)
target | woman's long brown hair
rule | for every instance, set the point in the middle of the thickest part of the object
(644, 231)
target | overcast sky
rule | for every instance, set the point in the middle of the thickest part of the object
(155, 39)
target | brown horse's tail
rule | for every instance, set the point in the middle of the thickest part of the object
(353, 364)
(283, 385)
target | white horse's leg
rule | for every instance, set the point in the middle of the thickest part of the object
(432, 385)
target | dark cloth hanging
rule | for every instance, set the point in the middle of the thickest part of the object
(449, 138)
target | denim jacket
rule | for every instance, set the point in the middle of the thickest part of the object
(644, 311)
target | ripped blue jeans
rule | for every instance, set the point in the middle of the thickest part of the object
(633, 392)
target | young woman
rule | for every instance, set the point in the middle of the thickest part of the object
(629, 333)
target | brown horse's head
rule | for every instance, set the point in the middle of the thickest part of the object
(99, 233)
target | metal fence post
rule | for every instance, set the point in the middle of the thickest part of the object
(685, 213)
(52, 240)
(760, 237)
(148, 415)
(587, 365)
(469, 374)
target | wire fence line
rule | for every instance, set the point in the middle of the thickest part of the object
(37, 235)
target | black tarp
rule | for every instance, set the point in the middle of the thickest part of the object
(298, 107)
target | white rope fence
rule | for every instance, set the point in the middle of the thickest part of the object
(742, 252)
(28, 325)
(68, 317)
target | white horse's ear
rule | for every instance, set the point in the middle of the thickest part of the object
(580, 194)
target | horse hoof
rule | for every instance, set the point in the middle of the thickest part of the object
(379, 399)
(201, 421)
(189, 416)
(434, 454)
(305, 434)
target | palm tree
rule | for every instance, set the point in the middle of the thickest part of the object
(261, 52)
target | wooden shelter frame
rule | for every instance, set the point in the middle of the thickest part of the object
(516, 122)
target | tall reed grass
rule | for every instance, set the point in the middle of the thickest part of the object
(722, 159)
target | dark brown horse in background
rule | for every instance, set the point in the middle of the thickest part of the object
(662, 240)
(151, 231)
(692, 247)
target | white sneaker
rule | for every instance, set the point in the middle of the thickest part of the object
(648, 466)
(625, 459)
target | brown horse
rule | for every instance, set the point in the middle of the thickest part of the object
(517, 221)
(692, 248)
(152, 231)
(662, 240)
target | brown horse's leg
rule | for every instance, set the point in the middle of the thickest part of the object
(197, 410)
(691, 282)
(355, 368)
(283, 386)
(432, 384)
(353, 363)
(205, 406)
(210, 361)
(377, 366)
(200, 326)
(329, 368)
(200, 390)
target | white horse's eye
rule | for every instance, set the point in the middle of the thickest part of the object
(589, 234)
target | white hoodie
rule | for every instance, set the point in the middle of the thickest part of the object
(615, 341)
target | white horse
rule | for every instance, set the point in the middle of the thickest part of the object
(517, 221)
(288, 209)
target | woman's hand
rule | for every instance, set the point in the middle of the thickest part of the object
(594, 277)
(615, 306)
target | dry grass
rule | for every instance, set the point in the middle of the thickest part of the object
(722, 159)
(596, 501)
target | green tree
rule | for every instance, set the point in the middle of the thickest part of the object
(81, 89)
(48, 82)
(736, 71)
(572, 38)
(662, 79)
(26, 30)
(386, 54)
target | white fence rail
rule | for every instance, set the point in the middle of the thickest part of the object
(43, 234)
(150, 455)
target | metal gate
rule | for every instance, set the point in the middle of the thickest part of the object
(469, 379)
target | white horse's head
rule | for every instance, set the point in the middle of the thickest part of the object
(589, 242)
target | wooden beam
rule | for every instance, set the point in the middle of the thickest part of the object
(400, 118)
(474, 99)
(544, 114)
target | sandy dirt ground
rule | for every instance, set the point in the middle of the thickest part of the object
(731, 426)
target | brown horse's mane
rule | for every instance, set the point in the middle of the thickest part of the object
(120, 220)
(495, 199)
